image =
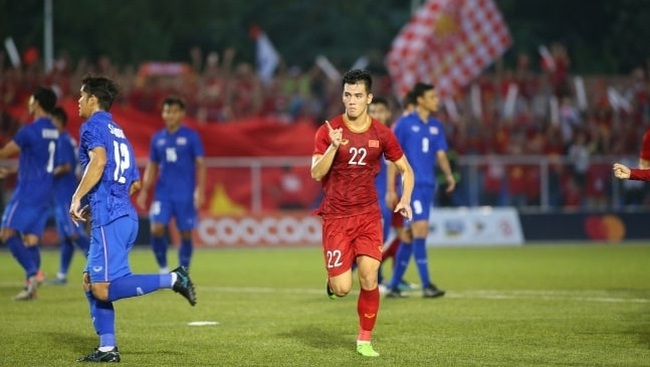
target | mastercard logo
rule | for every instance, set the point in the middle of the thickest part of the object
(605, 228)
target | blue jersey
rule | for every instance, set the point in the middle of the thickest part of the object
(381, 180)
(176, 153)
(66, 184)
(421, 143)
(38, 143)
(109, 199)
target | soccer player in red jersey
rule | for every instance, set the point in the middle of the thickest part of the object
(346, 159)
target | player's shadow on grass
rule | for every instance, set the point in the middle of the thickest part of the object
(641, 326)
(73, 341)
(318, 338)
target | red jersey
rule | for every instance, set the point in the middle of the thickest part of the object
(645, 146)
(349, 185)
(640, 174)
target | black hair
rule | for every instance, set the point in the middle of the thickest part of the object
(380, 100)
(104, 89)
(420, 88)
(60, 114)
(46, 98)
(174, 101)
(355, 76)
(409, 99)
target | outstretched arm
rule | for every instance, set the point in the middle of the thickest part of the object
(625, 173)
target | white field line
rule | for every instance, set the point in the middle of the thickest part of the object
(550, 295)
(600, 296)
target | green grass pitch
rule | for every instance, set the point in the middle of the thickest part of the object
(536, 305)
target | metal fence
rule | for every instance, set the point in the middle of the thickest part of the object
(530, 183)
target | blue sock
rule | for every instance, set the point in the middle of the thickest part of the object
(420, 255)
(185, 253)
(102, 315)
(92, 301)
(67, 250)
(105, 323)
(137, 285)
(35, 252)
(22, 254)
(83, 243)
(159, 246)
(402, 258)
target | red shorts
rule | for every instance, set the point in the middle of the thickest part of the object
(397, 220)
(346, 238)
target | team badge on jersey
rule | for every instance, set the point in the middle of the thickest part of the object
(181, 140)
(433, 130)
(344, 141)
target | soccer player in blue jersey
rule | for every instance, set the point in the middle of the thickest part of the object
(379, 109)
(23, 220)
(109, 178)
(65, 182)
(423, 140)
(176, 156)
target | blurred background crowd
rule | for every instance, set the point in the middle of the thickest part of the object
(533, 129)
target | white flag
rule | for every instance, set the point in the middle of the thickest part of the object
(267, 56)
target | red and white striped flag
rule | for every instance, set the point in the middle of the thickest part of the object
(447, 43)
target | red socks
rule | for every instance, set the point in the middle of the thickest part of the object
(367, 308)
(391, 250)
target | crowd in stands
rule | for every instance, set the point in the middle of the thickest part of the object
(536, 107)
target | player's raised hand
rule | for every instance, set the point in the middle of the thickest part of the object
(621, 171)
(78, 213)
(404, 209)
(336, 135)
(451, 183)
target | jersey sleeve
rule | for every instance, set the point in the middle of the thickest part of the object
(392, 151)
(640, 174)
(441, 142)
(399, 129)
(22, 137)
(197, 145)
(91, 137)
(321, 140)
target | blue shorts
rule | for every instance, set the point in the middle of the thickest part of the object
(184, 211)
(65, 227)
(108, 257)
(386, 217)
(421, 201)
(25, 218)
